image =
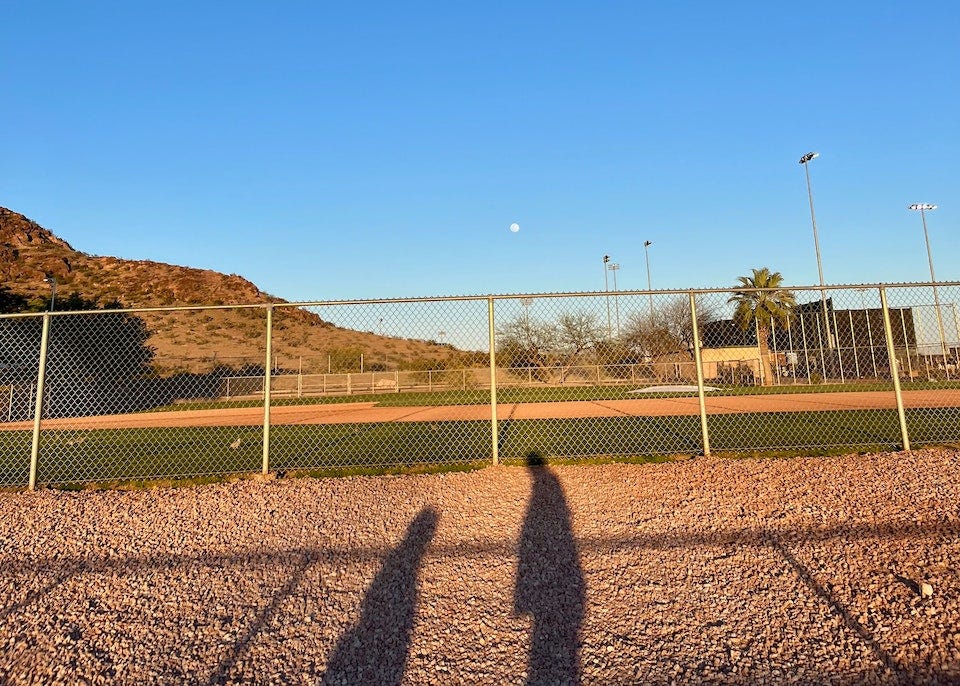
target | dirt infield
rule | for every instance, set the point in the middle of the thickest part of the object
(370, 412)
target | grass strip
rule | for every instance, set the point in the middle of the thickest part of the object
(113, 455)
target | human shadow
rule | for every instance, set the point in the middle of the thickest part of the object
(375, 650)
(550, 586)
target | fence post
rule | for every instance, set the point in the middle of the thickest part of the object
(806, 352)
(266, 391)
(38, 406)
(698, 361)
(776, 353)
(838, 348)
(894, 371)
(494, 437)
(853, 343)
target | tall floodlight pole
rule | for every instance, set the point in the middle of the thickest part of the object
(614, 267)
(923, 207)
(606, 289)
(52, 280)
(646, 254)
(805, 161)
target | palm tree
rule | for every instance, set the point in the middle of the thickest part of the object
(765, 303)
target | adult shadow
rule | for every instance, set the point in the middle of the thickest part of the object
(375, 650)
(550, 585)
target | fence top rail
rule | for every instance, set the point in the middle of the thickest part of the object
(478, 298)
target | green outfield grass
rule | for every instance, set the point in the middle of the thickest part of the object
(108, 455)
(549, 394)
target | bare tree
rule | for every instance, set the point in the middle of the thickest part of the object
(525, 342)
(529, 343)
(669, 330)
(576, 334)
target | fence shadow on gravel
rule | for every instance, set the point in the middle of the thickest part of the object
(550, 586)
(222, 672)
(840, 610)
(375, 650)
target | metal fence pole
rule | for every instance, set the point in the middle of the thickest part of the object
(839, 347)
(873, 354)
(704, 431)
(853, 342)
(776, 354)
(906, 343)
(266, 391)
(494, 437)
(894, 372)
(38, 407)
(761, 368)
(806, 354)
(956, 329)
(823, 359)
(793, 370)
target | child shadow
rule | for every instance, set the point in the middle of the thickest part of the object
(375, 650)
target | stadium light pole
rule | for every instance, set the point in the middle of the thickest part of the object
(526, 302)
(614, 267)
(52, 280)
(606, 289)
(923, 208)
(805, 161)
(646, 254)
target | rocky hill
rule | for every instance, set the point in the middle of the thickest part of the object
(201, 340)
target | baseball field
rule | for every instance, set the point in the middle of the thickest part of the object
(343, 434)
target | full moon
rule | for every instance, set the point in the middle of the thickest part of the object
(514, 227)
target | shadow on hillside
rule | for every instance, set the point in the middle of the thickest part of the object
(550, 586)
(375, 650)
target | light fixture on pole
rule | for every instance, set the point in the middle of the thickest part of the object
(52, 280)
(923, 208)
(526, 302)
(805, 160)
(646, 254)
(606, 289)
(614, 267)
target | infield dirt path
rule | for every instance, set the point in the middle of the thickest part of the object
(369, 412)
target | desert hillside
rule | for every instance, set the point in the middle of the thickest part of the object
(195, 341)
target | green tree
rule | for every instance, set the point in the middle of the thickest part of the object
(11, 302)
(762, 303)
(94, 361)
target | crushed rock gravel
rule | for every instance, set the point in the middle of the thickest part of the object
(839, 570)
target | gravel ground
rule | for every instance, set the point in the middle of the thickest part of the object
(806, 570)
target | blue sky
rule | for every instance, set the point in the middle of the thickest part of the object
(354, 150)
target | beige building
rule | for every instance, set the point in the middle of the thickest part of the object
(733, 364)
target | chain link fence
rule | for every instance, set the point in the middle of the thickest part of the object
(109, 396)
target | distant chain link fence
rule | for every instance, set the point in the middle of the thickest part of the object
(123, 395)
